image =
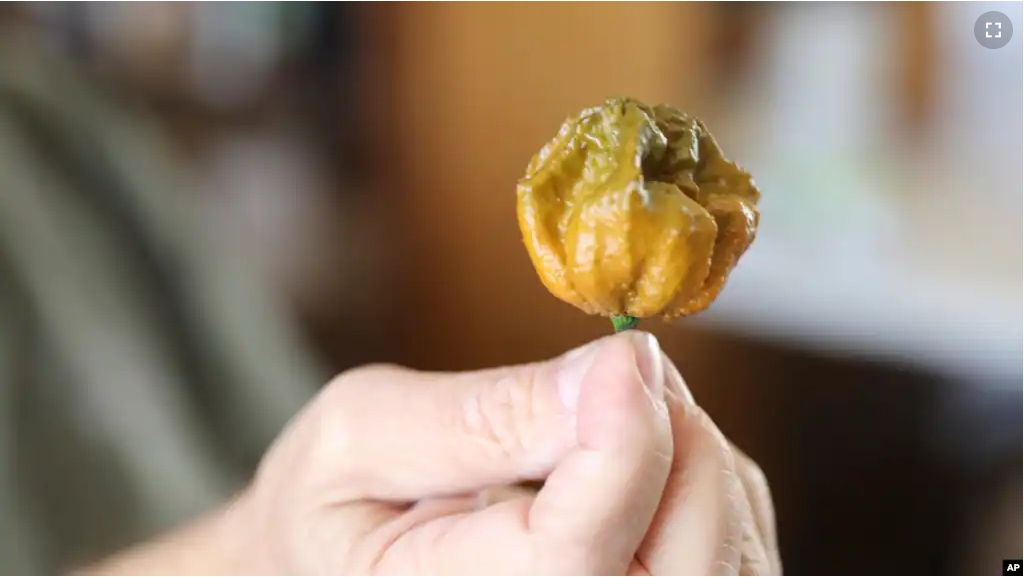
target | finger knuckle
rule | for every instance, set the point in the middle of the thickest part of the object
(336, 421)
(355, 374)
(340, 398)
(498, 416)
(755, 475)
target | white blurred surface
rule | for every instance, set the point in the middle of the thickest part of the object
(865, 248)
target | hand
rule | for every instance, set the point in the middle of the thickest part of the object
(393, 471)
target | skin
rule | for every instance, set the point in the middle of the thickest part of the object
(633, 210)
(391, 471)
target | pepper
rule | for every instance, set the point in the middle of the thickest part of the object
(632, 211)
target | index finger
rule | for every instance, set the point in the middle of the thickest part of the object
(402, 435)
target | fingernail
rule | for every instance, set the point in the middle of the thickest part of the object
(573, 369)
(647, 352)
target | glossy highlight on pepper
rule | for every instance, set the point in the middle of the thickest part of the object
(633, 211)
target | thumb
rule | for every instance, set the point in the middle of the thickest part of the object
(404, 435)
(598, 502)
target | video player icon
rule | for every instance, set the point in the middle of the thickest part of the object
(993, 30)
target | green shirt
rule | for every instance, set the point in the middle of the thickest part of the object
(143, 369)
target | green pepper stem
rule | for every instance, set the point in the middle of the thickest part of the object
(624, 322)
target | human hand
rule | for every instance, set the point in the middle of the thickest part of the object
(392, 471)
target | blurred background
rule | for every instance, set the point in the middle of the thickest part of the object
(358, 161)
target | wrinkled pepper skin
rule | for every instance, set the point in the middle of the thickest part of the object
(633, 210)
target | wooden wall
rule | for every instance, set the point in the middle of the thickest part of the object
(477, 89)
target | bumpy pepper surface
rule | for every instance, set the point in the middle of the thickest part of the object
(633, 211)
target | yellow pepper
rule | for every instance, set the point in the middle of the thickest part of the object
(632, 211)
